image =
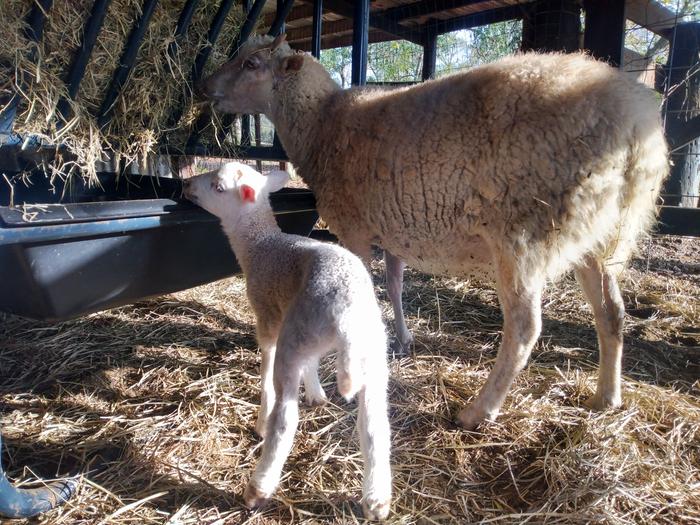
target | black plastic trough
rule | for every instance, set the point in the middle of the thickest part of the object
(78, 250)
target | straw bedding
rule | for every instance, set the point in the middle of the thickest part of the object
(158, 85)
(154, 405)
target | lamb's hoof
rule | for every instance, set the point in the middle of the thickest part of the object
(399, 349)
(374, 509)
(254, 498)
(315, 400)
(599, 402)
(260, 429)
(470, 419)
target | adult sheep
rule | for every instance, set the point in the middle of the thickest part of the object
(521, 169)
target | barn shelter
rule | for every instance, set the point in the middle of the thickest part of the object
(72, 246)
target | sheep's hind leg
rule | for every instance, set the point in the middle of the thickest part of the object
(603, 294)
(394, 286)
(520, 298)
(281, 427)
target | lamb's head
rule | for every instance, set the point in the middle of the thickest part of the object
(245, 84)
(233, 189)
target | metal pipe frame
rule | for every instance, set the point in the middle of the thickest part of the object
(245, 119)
(429, 55)
(360, 42)
(81, 58)
(202, 57)
(126, 63)
(33, 32)
(183, 23)
(243, 36)
(317, 29)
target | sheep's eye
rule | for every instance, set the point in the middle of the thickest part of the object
(250, 64)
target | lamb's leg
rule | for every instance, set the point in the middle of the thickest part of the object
(374, 431)
(313, 391)
(281, 426)
(394, 286)
(267, 395)
(520, 298)
(603, 293)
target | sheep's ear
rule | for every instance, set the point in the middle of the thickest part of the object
(291, 64)
(278, 41)
(275, 180)
(247, 193)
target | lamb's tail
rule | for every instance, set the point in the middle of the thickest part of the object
(361, 360)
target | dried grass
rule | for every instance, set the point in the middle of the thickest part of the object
(154, 404)
(157, 85)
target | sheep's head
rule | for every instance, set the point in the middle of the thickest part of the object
(233, 189)
(245, 84)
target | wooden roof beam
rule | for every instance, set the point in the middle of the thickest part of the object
(377, 21)
(651, 15)
(425, 8)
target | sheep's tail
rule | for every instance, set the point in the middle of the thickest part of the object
(647, 168)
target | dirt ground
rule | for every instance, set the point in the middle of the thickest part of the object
(152, 405)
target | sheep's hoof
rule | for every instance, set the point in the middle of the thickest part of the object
(399, 349)
(469, 418)
(600, 402)
(254, 498)
(315, 400)
(373, 509)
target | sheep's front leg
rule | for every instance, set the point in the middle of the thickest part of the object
(394, 286)
(520, 298)
(279, 435)
(603, 294)
(313, 391)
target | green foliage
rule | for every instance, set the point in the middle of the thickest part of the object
(394, 61)
(338, 61)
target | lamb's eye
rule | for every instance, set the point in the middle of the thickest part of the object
(250, 64)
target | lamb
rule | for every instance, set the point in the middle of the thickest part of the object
(521, 170)
(309, 298)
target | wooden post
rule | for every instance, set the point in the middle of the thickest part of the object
(552, 25)
(683, 103)
(604, 36)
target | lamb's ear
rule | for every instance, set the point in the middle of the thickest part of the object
(291, 64)
(275, 180)
(277, 42)
(247, 193)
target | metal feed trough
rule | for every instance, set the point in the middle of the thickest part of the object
(80, 249)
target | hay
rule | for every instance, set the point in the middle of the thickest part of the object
(157, 86)
(155, 404)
